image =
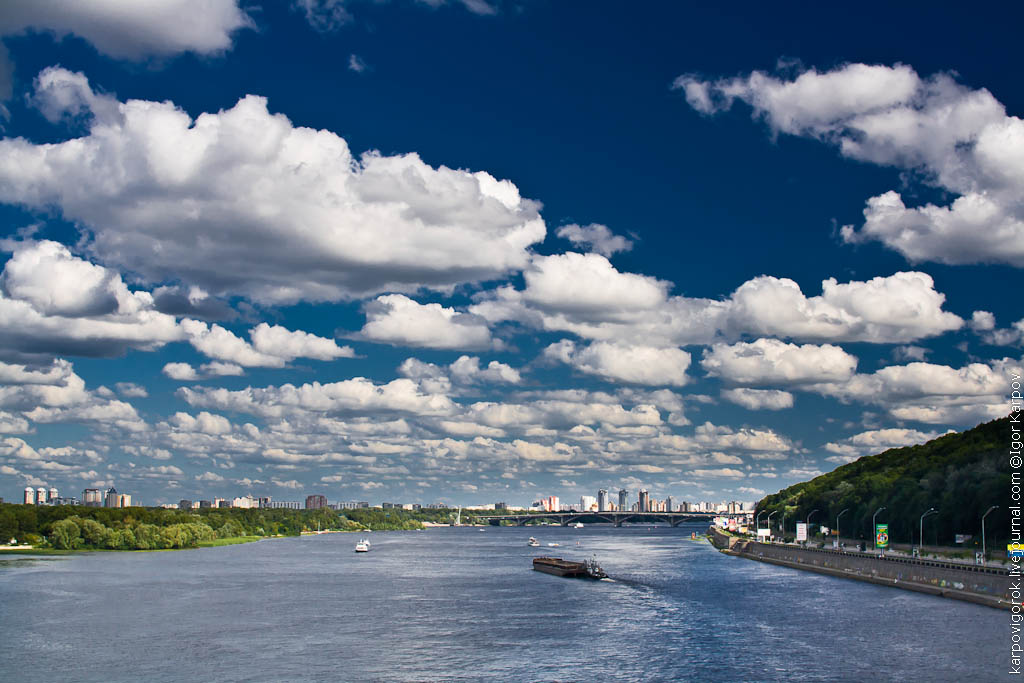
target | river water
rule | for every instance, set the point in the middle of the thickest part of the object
(464, 605)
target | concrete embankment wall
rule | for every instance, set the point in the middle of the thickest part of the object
(983, 585)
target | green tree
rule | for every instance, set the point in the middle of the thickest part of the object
(93, 533)
(65, 535)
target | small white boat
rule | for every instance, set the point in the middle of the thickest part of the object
(363, 546)
(577, 525)
(533, 543)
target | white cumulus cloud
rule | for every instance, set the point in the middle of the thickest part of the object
(956, 138)
(633, 364)
(397, 319)
(770, 361)
(242, 202)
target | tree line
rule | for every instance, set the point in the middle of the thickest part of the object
(960, 475)
(70, 527)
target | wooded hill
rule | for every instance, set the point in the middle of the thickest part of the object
(961, 475)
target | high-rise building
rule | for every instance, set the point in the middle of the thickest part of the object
(113, 499)
(264, 501)
(40, 496)
(602, 500)
(124, 500)
(184, 504)
(623, 499)
(52, 494)
(316, 501)
(670, 505)
(588, 503)
(30, 495)
(644, 501)
(92, 498)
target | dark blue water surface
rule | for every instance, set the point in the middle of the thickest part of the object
(464, 605)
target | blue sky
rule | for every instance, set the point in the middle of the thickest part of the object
(477, 251)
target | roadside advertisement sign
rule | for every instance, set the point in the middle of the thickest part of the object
(764, 533)
(882, 535)
(801, 531)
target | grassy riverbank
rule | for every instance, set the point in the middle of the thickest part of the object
(234, 540)
(212, 543)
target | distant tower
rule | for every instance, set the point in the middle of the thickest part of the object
(644, 502)
(623, 499)
(30, 495)
(53, 494)
(113, 499)
(670, 505)
(92, 498)
(40, 496)
(602, 500)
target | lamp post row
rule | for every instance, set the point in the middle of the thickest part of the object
(929, 511)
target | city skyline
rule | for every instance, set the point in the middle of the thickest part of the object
(293, 247)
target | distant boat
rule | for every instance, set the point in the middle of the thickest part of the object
(533, 543)
(552, 545)
(577, 525)
(363, 546)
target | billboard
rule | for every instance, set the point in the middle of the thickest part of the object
(801, 531)
(881, 535)
(764, 533)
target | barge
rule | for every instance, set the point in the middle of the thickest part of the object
(588, 569)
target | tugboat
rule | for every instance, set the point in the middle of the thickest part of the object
(363, 546)
(533, 542)
(588, 569)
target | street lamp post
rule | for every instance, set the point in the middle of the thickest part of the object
(757, 523)
(770, 522)
(874, 529)
(839, 535)
(783, 526)
(920, 535)
(811, 514)
(983, 555)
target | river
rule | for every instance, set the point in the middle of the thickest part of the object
(464, 605)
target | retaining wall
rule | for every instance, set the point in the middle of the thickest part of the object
(983, 585)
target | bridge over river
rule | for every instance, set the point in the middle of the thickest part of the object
(616, 518)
